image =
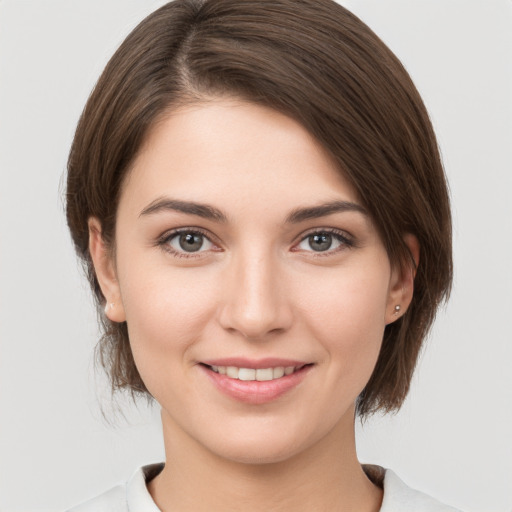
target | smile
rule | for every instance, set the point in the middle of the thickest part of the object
(259, 374)
(255, 382)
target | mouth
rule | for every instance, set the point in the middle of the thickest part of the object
(255, 382)
(255, 374)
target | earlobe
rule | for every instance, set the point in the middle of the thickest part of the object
(402, 282)
(105, 272)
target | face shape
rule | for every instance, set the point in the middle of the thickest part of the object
(239, 245)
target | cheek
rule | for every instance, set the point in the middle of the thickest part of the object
(351, 300)
(166, 313)
(347, 315)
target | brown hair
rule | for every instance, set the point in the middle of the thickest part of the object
(316, 62)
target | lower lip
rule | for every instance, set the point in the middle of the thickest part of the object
(254, 391)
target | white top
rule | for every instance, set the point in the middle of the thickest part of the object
(134, 496)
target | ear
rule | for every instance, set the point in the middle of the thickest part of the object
(105, 272)
(401, 288)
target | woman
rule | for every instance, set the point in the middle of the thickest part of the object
(256, 192)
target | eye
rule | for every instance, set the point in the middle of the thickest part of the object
(324, 241)
(186, 242)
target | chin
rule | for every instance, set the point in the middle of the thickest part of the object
(264, 444)
(257, 453)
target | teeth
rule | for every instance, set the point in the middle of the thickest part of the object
(278, 372)
(249, 374)
(264, 374)
(232, 371)
(246, 374)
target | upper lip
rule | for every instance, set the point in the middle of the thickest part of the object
(242, 362)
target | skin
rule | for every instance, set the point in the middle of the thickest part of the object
(256, 288)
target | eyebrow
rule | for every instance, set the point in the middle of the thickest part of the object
(322, 210)
(210, 212)
(190, 207)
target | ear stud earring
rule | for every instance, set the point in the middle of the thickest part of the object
(110, 305)
(397, 309)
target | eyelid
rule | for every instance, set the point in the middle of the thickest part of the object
(347, 240)
(163, 241)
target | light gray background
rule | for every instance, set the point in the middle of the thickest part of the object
(453, 437)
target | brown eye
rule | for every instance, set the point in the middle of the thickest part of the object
(320, 241)
(324, 241)
(189, 242)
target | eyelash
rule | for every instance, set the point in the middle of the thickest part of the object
(164, 240)
(346, 241)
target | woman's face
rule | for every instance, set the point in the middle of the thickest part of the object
(254, 285)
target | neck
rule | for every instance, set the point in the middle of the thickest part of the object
(324, 477)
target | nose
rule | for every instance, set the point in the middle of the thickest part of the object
(255, 303)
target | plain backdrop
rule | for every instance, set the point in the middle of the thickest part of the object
(453, 437)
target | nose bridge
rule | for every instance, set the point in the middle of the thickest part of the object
(255, 300)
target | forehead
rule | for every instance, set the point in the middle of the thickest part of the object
(232, 152)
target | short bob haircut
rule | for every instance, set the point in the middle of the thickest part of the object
(315, 62)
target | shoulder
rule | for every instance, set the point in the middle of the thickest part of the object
(133, 495)
(113, 500)
(398, 497)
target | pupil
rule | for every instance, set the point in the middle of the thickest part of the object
(190, 242)
(320, 242)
